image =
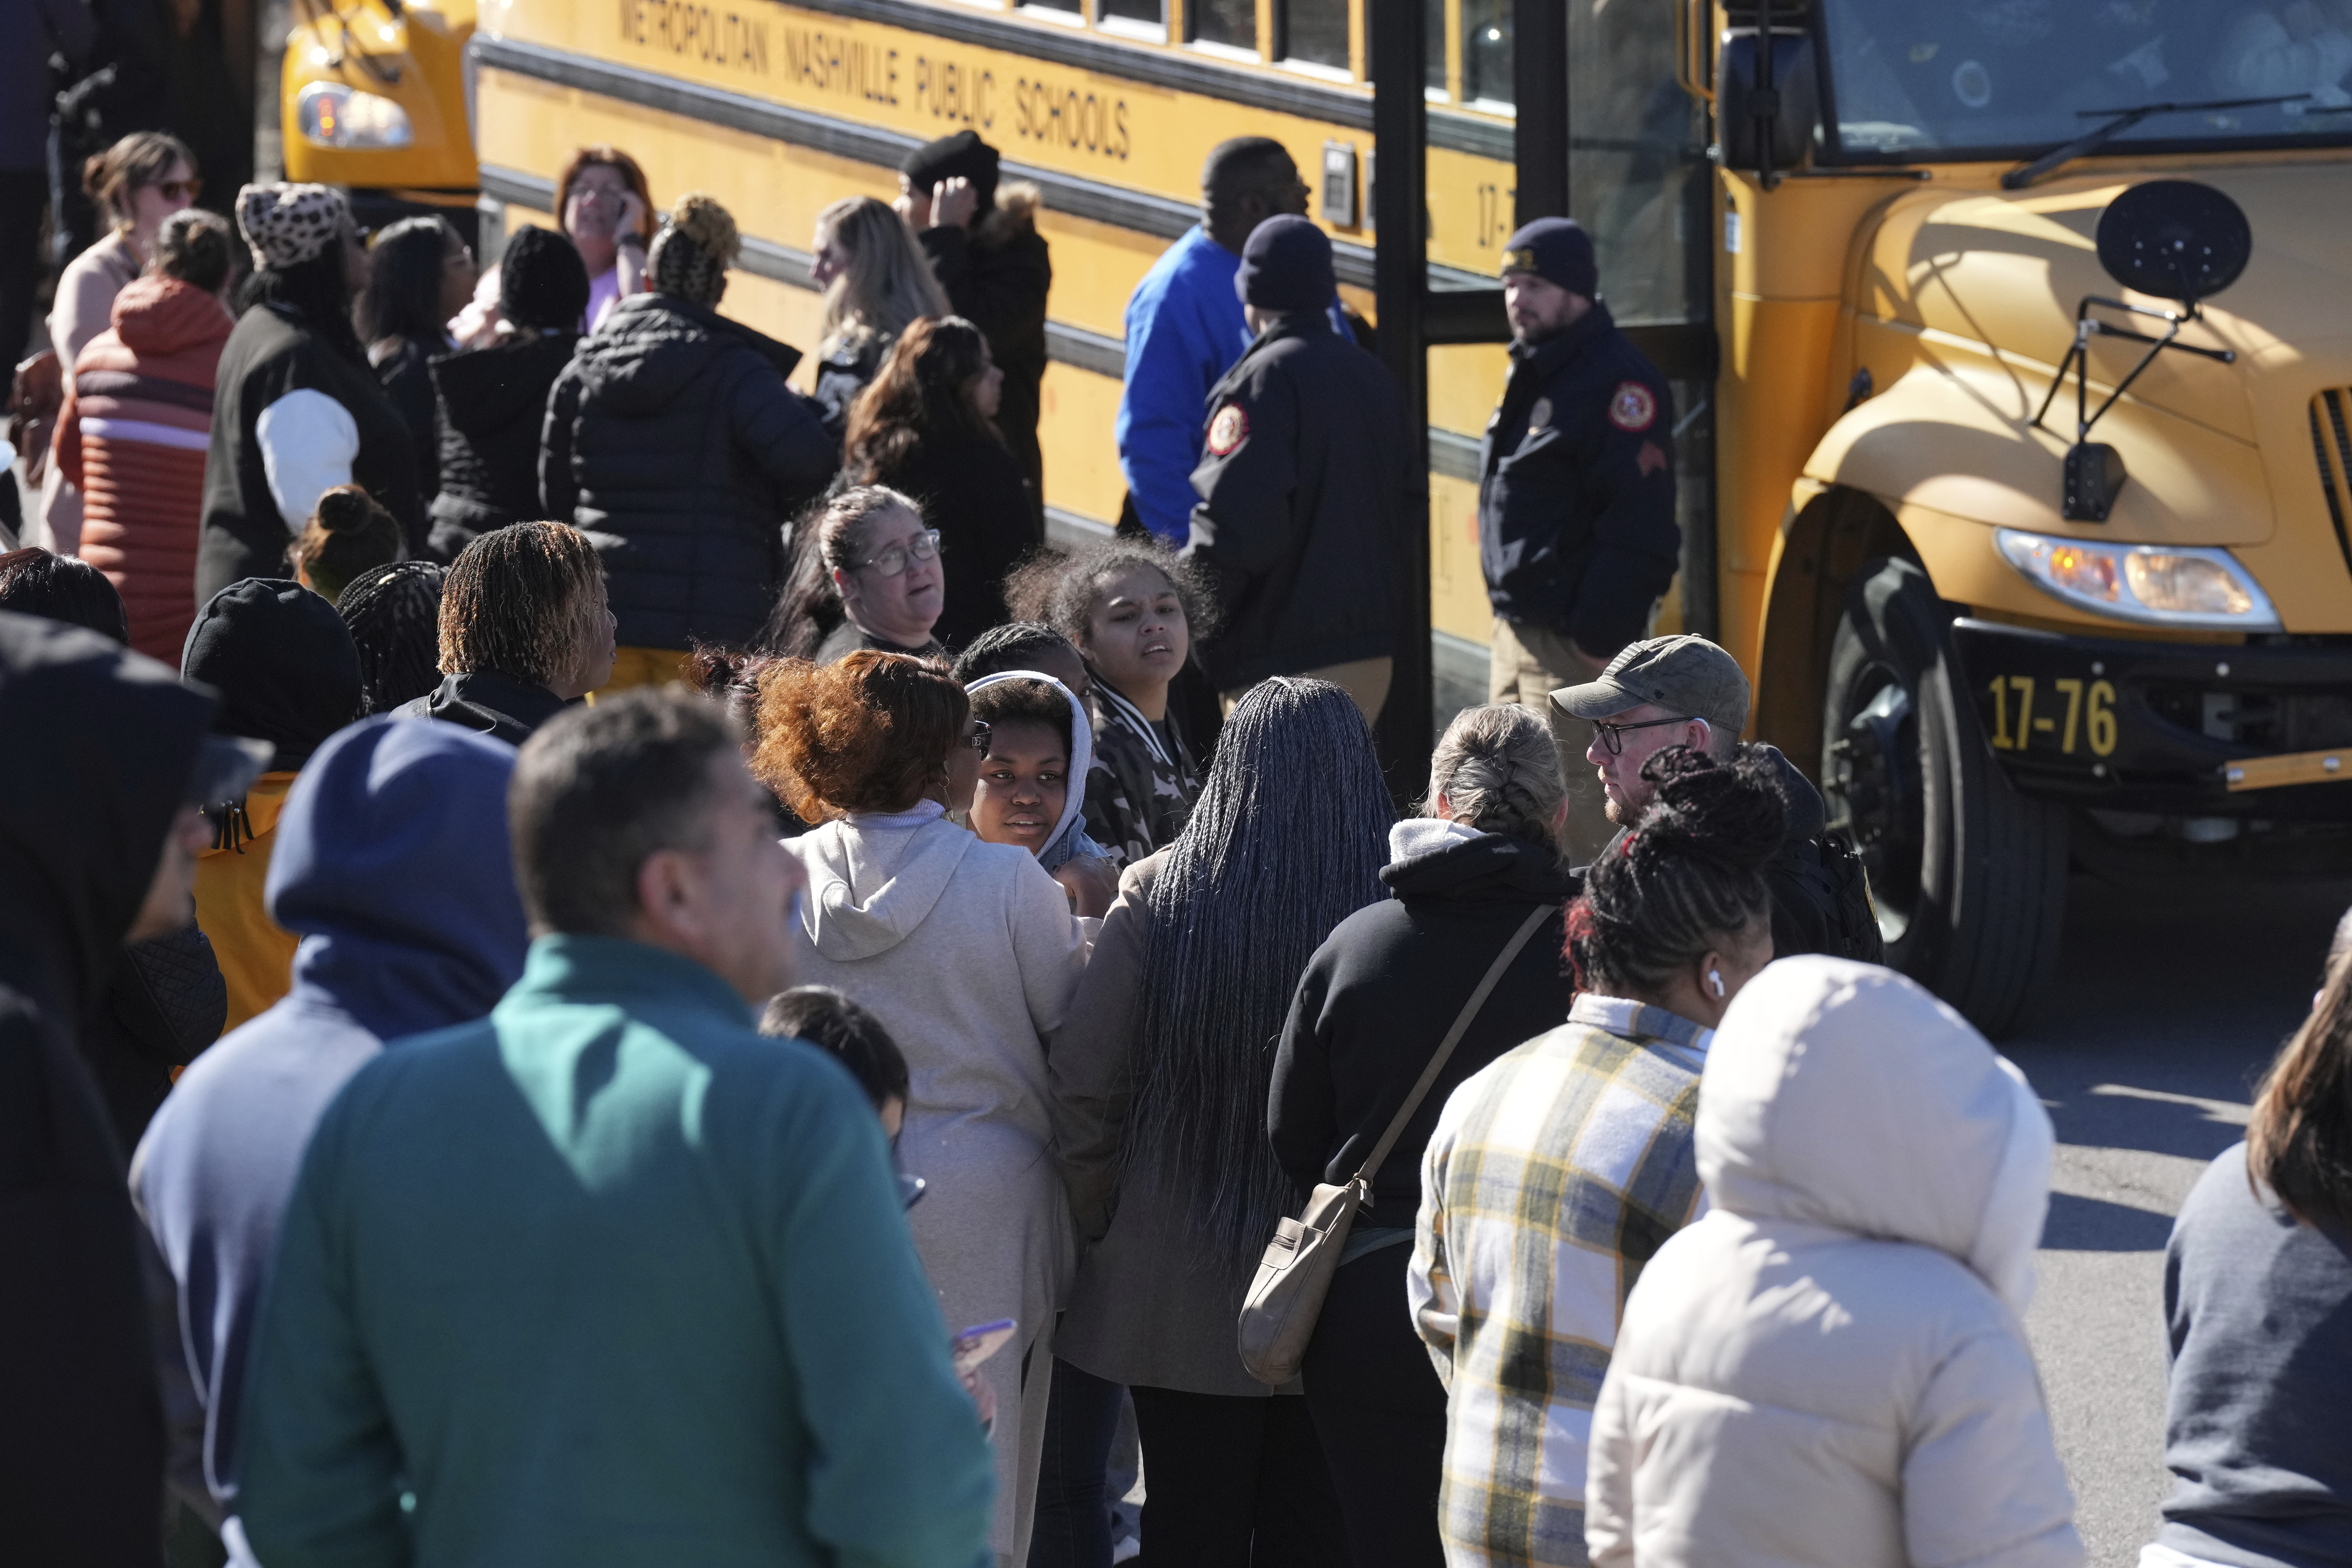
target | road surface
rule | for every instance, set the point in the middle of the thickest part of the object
(2169, 1006)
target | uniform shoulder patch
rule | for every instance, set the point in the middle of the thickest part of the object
(1633, 407)
(1228, 430)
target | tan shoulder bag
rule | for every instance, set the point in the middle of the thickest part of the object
(1279, 1312)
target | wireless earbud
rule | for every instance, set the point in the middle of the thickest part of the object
(1715, 979)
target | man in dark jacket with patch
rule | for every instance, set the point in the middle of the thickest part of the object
(1686, 691)
(1576, 493)
(673, 442)
(1302, 516)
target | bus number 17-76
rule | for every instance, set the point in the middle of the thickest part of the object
(2093, 720)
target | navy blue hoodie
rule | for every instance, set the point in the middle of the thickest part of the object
(392, 866)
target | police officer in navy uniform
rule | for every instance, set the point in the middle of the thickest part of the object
(1303, 484)
(1576, 497)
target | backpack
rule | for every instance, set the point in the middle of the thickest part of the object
(1821, 901)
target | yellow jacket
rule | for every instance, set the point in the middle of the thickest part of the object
(256, 954)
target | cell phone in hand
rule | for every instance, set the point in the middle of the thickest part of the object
(976, 1345)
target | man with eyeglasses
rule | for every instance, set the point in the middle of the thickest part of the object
(1686, 691)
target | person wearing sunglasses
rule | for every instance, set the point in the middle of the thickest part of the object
(1684, 690)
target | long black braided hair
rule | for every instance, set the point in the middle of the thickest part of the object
(395, 615)
(1687, 875)
(1287, 841)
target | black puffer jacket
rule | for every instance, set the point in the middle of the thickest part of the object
(842, 374)
(404, 367)
(489, 411)
(1384, 987)
(673, 442)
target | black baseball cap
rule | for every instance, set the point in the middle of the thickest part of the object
(1687, 675)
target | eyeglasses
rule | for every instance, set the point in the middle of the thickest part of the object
(924, 547)
(1613, 735)
(175, 189)
(978, 739)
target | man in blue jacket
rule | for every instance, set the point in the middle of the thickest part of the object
(1184, 328)
(609, 1278)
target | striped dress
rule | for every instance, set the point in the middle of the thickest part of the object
(133, 435)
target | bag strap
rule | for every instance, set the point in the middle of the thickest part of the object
(1470, 1010)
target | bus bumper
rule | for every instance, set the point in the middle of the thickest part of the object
(2154, 727)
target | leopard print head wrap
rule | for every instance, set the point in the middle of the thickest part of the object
(286, 225)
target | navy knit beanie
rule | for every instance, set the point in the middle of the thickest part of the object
(542, 282)
(1557, 250)
(1287, 266)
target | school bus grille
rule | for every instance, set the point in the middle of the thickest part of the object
(2331, 443)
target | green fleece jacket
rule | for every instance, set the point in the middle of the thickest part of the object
(605, 1278)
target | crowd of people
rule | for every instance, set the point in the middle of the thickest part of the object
(600, 958)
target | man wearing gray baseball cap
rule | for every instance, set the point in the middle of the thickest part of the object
(1686, 691)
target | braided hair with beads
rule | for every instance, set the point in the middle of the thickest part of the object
(1685, 877)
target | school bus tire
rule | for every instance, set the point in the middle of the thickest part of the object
(1968, 876)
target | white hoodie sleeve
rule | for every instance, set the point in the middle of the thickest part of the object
(1982, 1484)
(308, 442)
(1610, 1465)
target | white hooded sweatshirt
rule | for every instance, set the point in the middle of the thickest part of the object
(1830, 1369)
(969, 954)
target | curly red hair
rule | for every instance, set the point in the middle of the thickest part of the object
(870, 734)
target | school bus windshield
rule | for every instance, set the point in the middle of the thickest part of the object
(2004, 78)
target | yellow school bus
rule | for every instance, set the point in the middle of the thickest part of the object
(1109, 105)
(2023, 588)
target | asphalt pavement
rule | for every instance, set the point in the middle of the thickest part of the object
(2170, 1002)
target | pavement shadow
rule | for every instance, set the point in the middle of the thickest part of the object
(2095, 1224)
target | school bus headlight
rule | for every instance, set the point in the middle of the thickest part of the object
(2173, 586)
(332, 115)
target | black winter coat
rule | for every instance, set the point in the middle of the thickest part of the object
(971, 491)
(81, 1451)
(489, 411)
(406, 370)
(1576, 494)
(270, 353)
(1379, 993)
(997, 278)
(674, 444)
(488, 702)
(1305, 505)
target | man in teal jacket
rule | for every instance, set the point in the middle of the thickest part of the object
(607, 1277)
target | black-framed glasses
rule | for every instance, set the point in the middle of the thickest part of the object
(1613, 735)
(978, 739)
(924, 547)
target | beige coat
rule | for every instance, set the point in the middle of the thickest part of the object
(1829, 1368)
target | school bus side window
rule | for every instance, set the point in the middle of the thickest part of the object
(1315, 31)
(1151, 13)
(1232, 23)
(1486, 53)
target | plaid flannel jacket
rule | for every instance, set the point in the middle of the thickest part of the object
(1553, 1176)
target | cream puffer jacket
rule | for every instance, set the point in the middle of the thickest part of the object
(1829, 1368)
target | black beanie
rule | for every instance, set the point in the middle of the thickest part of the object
(961, 156)
(1557, 250)
(283, 663)
(1287, 266)
(542, 282)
